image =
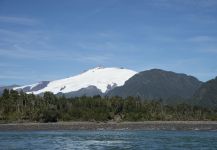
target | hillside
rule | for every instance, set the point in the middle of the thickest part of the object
(207, 93)
(156, 83)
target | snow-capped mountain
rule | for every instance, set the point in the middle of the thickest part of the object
(98, 79)
(32, 87)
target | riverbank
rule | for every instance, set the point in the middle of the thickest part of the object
(147, 125)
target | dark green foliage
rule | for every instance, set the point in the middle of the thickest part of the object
(206, 95)
(18, 107)
(158, 83)
(7, 87)
(50, 115)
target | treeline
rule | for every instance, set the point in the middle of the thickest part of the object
(21, 107)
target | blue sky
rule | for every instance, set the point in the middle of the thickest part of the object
(53, 39)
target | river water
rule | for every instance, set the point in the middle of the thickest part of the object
(120, 139)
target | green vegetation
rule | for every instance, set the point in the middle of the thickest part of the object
(20, 107)
(206, 95)
(156, 83)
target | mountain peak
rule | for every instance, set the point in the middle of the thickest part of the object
(97, 68)
(101, 68)
(104, 79)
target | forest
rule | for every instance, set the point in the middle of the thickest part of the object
(21, 107)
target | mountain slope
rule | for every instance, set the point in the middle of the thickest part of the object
(88, 91)
(33, 87)
(158, 83)
(103, 79)
(207, 93)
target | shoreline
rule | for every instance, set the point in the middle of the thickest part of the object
(146, 125)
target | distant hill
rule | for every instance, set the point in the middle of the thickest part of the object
(207, 93)
(158, 83)
(88, 91)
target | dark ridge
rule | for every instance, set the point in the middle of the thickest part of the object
(207, 94)
(157, 83)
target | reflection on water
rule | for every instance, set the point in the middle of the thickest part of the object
(109, 140)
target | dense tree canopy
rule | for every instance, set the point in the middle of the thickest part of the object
(19, 106)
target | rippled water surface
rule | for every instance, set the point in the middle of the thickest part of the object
(49, 140)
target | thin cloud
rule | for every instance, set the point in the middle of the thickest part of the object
(37, 45)
(203, 39)
(210, 50)
(18, 20)
(12, 77)
(21, 53)
(196, 3)
(3, 65)
(94, 58)
(28, 74)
